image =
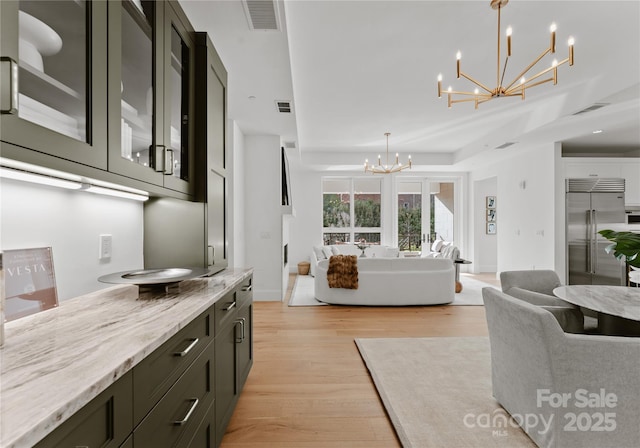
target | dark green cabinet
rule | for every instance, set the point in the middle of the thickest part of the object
(116, 102)
(211, 177)
(152, 65)
(182, 395)
(233, 352)
(103, 423)
(54, 83)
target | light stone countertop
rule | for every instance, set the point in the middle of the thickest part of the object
(55, 362)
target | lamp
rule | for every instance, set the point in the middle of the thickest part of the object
(520, 84)
(386, 169)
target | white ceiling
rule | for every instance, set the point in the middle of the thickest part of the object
(357, 69)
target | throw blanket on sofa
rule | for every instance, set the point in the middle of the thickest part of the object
(343, 272)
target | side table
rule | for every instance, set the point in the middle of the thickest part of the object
(457, 262)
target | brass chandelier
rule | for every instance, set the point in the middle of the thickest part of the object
(520, 84)
(386, 168)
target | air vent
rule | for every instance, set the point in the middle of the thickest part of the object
(261, 14)
(290, 145)
(591, 108)
(597, 184)
(505, 145)
(284, 107)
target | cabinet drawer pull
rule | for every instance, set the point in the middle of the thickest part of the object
(247, 288)
(230, 306)
(189, 412)
(188, 349)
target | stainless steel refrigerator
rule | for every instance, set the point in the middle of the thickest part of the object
(593, 204)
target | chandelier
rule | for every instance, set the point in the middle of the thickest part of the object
(520, 83)
(386, 168)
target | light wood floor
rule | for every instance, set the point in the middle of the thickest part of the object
(309, 387)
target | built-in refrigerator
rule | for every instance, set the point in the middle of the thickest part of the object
(593, 204)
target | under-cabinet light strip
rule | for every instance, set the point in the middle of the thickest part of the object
(11, 169)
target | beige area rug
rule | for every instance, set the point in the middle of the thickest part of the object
(437, 392)
(303, 292)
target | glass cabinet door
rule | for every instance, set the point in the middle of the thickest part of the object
(132, 114)
(178, 101)
(57, 50)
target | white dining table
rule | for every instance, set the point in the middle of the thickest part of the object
(618, 307)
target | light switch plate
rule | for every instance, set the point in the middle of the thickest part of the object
(106, 246)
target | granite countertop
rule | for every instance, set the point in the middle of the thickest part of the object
(55, 362)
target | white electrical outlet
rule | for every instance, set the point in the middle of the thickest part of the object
(106, 247)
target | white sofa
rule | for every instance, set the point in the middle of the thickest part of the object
(320, 253)
(392, 282)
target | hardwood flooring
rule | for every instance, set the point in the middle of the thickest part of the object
(309, 388)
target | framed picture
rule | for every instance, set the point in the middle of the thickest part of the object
(491, 202)
(491, 215)
(491, 228)
(30, 282)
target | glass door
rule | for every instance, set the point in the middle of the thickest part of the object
(54, 97)
(411, 219)
(425, 212)
(132, 147)
(178, 101)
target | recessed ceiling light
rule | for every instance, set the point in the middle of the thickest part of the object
(251, 97)
(597, 131)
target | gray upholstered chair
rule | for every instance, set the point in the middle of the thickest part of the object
(532, 358)
(536, 287)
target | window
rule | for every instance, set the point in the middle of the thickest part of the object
(351, 210)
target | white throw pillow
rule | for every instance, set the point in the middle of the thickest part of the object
(392, 252)
(317, 250)
(437, 245)
(328, 251)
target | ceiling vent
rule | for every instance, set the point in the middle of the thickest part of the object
(591, 108)
(284, 107)
(290, 145)
(261, 14)
(505, 145)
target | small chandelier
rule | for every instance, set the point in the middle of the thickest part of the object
(519, 84)
(386, 169)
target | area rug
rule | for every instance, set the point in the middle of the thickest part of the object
(303, 292)
(437, 392)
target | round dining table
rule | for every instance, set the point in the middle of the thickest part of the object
(618, 307)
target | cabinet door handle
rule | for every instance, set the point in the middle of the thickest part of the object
(158, 158)
(189, 412)
(9, 70)
(247, 288)
(188, 349)
(242, 335)
(230, 306)
(168, 161)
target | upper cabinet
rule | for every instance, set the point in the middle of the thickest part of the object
(211, 175)
(54, 90)
(151, 54)
(104, 84)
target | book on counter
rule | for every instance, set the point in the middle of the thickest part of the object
(29, 282)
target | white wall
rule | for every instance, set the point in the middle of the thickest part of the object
(70, 222)
(236, 196)
(263, 215)
(306, 227)
(485, 247)
(526, 208)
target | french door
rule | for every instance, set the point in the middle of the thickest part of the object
(425, 211)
